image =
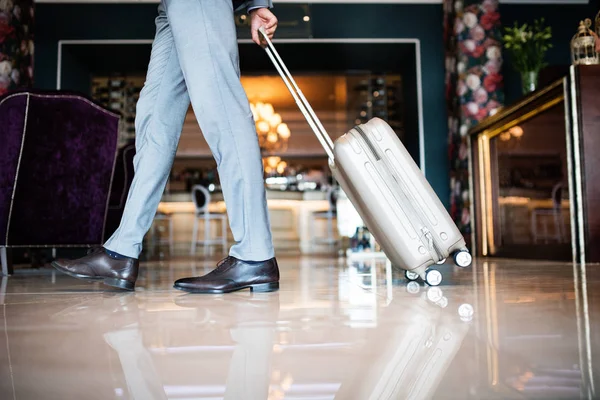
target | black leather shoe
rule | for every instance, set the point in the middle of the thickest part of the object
(232, 274)
(99, 266)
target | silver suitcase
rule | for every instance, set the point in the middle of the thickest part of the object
(388, 190)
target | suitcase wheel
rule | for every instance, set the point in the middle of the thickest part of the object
(411, 276)
(413, 287)
(466, 312)
(433, 277)
(463, 258)
(436, 296)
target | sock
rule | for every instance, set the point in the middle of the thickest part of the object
(115, 255)
(256, 262)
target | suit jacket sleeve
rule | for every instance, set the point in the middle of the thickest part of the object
(252, 4)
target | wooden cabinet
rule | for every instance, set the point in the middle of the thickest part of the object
(536, 173)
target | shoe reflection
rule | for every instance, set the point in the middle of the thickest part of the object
(251, 319)
(253, 333)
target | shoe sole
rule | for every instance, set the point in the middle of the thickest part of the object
(261, 288)
(112, 282)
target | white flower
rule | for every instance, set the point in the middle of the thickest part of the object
(473, 108)
(492, 66)
(473, 82)
(480, 95)
(478, 33)
(493, 111)
(470, 19)
(463, 130)
(17, 12)
(459, 26)
(6, 4)
(15, 76)
(470, 45)
(493, 53)
(461, 67)
(5, 68)
(462, 89)
(466, 196)
(458, 6)
(490, 5)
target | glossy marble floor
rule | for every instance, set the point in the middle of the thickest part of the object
(501, 330)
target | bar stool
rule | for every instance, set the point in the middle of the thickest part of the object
(327, 215)
(156, 239)
(201, 197)
(554, 213)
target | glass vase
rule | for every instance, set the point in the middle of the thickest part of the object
(529, 81)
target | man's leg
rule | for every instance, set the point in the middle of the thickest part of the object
(142, 378)
(161, 111)
(160, 114)
(205, 37)
(249, 371)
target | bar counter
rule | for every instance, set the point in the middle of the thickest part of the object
(536, 173)
(290, 213)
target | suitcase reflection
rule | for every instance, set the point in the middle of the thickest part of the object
(420, 336)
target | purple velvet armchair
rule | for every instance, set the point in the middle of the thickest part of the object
(57, 157)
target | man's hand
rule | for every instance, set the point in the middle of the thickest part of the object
(262, 17)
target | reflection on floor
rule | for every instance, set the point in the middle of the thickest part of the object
(502, 330)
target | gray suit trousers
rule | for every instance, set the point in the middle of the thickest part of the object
(195, 57)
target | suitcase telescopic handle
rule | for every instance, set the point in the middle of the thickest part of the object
(299, 97)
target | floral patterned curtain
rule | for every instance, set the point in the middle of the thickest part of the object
(16, 44)
(474, 88)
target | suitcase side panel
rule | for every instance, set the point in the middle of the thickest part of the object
(378, 207)
(425, 199)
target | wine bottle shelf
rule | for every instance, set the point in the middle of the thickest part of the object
(120, 94)
(376, 95)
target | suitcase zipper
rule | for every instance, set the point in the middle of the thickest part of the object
(368, 142)
(431, 244)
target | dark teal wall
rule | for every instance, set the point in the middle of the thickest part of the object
(564, 20)
(74, 21)
(132, 21)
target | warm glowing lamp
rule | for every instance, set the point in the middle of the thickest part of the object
(273, 161)
(284, 131)
(516, 131)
